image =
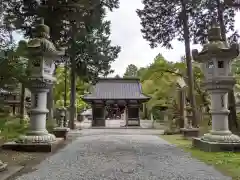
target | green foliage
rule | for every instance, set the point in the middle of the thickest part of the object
(162, 21)
(13, 67)
(59, 89)
(131, 71)
(236, 72)
(159, 81)
(11, 128)
(82, 12)
(79, 25)
(94, 53)
(117, 76)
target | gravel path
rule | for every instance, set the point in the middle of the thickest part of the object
(122, 157)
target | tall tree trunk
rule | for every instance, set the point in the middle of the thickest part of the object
(73, 93)
(65, 90)
(145, 111)
(22, 103)
(189, 64)
(233, 124)
(65, 84)
(73, 83)
(50, 101)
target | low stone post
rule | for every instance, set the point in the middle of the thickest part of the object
(61, 130)
(189, 116)
(216, 57)
(66, 120)
(185, 111)
(152, 119)
(164, 111)
(189, 131)
(165, 116)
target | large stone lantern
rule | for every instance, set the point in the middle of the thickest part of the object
(42, 54)
(216, 57)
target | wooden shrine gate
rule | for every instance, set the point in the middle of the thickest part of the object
(124, 92)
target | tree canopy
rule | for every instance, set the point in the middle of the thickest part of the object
(59, 90)
(131, 71)
(162, 20)
(159, 80)
(73, 23)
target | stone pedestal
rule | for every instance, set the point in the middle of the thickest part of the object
(61, 131)
(37, 138)
(37, 131)
(165, 116)
(211, 146)
(188, 131)
(220, 138)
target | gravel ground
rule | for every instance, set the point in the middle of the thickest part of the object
(122, 157)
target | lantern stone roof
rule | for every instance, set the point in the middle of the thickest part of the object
(216, 47)
(117, 89)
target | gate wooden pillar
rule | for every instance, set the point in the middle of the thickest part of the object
(126, 114)
(133, 114)
(98, 113)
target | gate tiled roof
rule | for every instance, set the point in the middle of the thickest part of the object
(117, 89)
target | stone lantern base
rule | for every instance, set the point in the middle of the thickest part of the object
(34, 143)
(36, 138)
(217, 142)
(190, 132)
(61, 132)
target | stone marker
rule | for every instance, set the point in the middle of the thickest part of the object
(215, 58)
(61, 130)
(42, 54)
(186, 111)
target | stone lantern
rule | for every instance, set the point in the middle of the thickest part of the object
(216, 57)
(62, 129)
(41, 54)
(164, 110)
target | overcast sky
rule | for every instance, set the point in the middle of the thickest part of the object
(125, 29)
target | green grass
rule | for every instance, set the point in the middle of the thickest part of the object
(11, 128)
(226, 162)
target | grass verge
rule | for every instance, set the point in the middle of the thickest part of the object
(226, 162)
(11, 128)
